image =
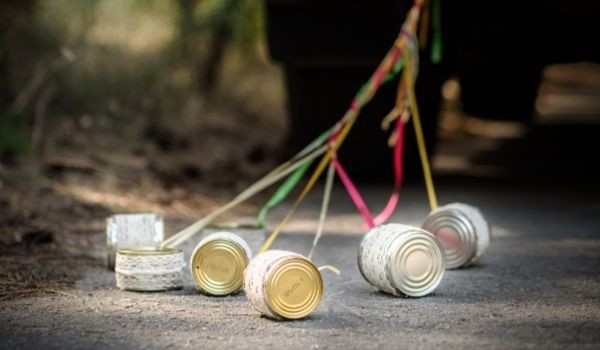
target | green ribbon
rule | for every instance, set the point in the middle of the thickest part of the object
(288, 185)
(395, 70)
(436, 45)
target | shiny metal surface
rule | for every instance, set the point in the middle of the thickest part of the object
(415, 263)
(294, 288)
(217, 266)
(456, 233)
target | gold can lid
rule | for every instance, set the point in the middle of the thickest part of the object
(218, 266)
(294, 288)
(148, 251)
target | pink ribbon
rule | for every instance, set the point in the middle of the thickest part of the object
(357, 198)
(398, 159)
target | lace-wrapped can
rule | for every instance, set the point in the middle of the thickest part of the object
(131, 230)
(218, 263)
(283, 285)
(463, 232)
(149, 269)
(401, 260)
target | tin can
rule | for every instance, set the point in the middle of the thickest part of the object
(253, 235)
(131, 230)
(218, 263)
(149, 269)
(463, 232)
(283, 285)
(401, 260)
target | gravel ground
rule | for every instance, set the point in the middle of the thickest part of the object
(537, 286)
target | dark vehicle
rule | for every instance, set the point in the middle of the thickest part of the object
(496, 49)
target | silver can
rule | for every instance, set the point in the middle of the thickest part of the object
(463, 232)
(130, 231)
(401, 260)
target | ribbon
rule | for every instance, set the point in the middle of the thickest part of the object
(324, 207)
(332, 148)
(431, 195)
(436, 44)
(282, 192)
(354, 194)
(255, 188)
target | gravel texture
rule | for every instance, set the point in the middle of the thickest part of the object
(536, 287)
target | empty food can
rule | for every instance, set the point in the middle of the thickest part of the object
(283, 285)
(401, 260)
(218, 263)
(131, 230)
(149, 269)
(463, 232)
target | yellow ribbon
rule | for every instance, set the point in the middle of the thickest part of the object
(313, 179)
(419, 135)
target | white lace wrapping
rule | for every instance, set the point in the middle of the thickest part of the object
(256, 275)
(373, 255)
(392, 256)
(149, 272)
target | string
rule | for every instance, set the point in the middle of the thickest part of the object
(281, 193)
(364, 96)
(324, 207)
(353, 113)
(290, 183)
(431, 195)
(258, 186)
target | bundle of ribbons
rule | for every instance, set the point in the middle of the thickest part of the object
(401, 60)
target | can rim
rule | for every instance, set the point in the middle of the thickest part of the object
(464, 229)
(208, 285)
(148, 250)
(277, 306)
(398, 279)
(235, 225)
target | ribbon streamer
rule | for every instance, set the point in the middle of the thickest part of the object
(324, 207)
(314, 177)
(431, 195)
(258, 186)
(436, 44)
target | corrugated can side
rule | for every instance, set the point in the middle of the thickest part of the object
(463, 232)
(401, 260)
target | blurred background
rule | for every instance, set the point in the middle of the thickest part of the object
(174, 106)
